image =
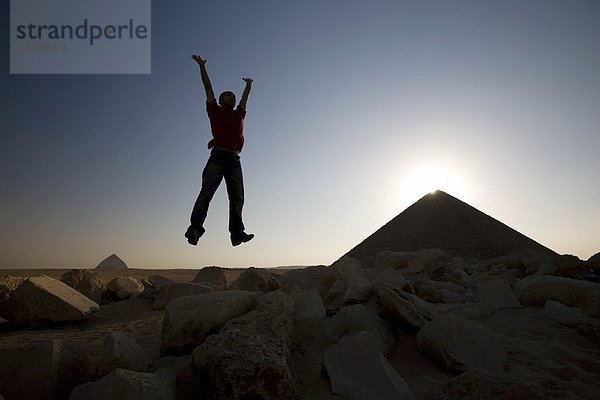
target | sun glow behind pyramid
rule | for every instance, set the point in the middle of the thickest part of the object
(430, 177)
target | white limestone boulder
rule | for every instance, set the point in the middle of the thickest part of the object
(122, 351)
(358, 370)
(535, 290)
(178, 289)
(130, 385)
(86, 282)
(459, 344)
(248, 358)
(189, 320)
(42, 299)
(212, 276)
(123, 287)
(257, 280)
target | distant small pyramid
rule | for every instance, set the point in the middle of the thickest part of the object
(441, 221)
(112, 262)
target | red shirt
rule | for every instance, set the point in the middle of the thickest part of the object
(227, 126)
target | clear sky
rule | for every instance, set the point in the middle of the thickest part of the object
(358, 109)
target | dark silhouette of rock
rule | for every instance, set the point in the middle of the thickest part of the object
(359, 371)
(131, 385)
(459, 344)
(178, 289)
(122, 351)
(43, 370)
(256, 279)
(112, 262)
(440, 221)
(213, 276)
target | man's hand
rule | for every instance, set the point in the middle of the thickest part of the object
(246, 93)
(199, 59)
(210, 96)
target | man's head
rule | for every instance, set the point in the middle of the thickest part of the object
(227, 99)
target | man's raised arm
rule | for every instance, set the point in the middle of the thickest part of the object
(246, 93)
(210, 95)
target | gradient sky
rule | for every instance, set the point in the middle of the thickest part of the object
(358, 109)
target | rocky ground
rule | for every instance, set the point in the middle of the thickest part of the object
(416, 325)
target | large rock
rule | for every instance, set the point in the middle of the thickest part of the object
(496, 294)
(256, 279)
(358, 290)
(459, 344)
(594, 262)
(122, 351)
(393, 279)
(213, 276)
(178, 289)
(248, 357)
(308, 305)
(568, 265)
(189, 320)
(8, 284)
(535, 290)
(569, 316)
(400, 308)
(347, 269)
(42, 299)
(358, 318)
(123, 287)
(43, 370)
(474, 384)
(130, 385)
(158, 281)
(85, 282)
(314, 277)
(391, 259)
(112, 262)
(358, 370)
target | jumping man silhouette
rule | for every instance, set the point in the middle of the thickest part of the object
(227, 126)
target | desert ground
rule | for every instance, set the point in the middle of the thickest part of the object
(547, 359)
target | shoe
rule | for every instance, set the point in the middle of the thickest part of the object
(193, 234)
(241, 238)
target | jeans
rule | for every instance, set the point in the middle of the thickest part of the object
(221, 164)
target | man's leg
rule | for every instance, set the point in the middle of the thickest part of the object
(212, 175)
(235, 191)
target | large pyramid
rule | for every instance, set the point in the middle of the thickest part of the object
(441, 221)
(112, 262)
